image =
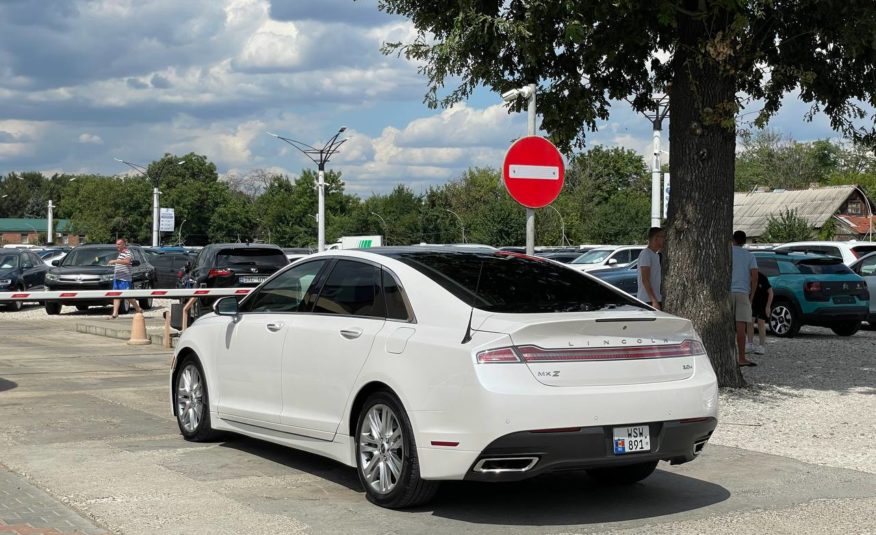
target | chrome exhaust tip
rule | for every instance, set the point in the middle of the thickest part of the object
(499, 465)
(699, 445)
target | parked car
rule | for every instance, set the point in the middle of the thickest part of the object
(866, 267)
(232, 265)
(848, 251)
(170, 265)
(50, 255)
(625, 278)
(421, 364)
(607, 256)
(20, 270)
(296, 253)
(85, 268)
(563, 258)
(813, 290)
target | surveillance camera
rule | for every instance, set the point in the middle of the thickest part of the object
(511, 95)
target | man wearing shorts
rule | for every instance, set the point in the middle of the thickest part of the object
(743, 283)
(122, 276)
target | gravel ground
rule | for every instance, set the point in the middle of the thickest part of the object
(812, 397)
(33, 311)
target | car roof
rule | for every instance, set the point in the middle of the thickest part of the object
(794, 257)
(243, 246)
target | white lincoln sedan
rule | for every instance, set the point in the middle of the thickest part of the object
(416, 365)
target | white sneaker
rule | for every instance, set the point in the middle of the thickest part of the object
(759, 350)
(749, 348)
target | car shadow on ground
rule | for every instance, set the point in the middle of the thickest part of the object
(6, 384)
(566, 498)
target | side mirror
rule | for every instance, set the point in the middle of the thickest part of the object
(56, 263)
(612, 261)
(226, 306)
(188, 266)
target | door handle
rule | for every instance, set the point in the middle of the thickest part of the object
(274, 327)
(351, 334)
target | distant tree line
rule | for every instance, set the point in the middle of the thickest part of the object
(606, 199)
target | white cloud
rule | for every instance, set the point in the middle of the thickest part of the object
(90, 139)
(276, 45)
(19, 138)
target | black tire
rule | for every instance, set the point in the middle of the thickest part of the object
(81, 308)
(409, 488)
(623, 475)
(846, 329)
(784, 321)
(53, 308)
(146, 302)
(203, 431)
(15, 306)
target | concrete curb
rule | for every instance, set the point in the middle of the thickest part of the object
(122, 332)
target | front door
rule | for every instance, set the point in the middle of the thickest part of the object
(250, 363)
(327, 348)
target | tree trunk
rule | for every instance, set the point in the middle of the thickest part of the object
(700, 218)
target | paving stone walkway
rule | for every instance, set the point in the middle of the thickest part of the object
(28, 510)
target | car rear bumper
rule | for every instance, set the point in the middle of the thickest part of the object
(535, 453)
(832, 314)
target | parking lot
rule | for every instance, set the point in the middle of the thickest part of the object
(88, 444)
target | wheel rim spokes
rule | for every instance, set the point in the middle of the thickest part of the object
(381, 449)
(189, 398)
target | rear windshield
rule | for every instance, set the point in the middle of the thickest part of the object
(825, 266)
(92, 256)
(593, 257)
(861, 250)
(251, 256)
(510, 283)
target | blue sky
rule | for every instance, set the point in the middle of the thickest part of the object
(84, 81)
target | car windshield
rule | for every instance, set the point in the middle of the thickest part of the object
(512, 283)
(593, 257)
(823, 266)
(8, 261)
(91, 256)
(251, 256)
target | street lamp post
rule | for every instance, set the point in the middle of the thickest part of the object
(661, 112)
(385, 228)
(319, 156)
(461, 224)
(562, 225)
(156, 194)
(527, 92)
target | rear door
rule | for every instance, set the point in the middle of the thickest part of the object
(327, 347)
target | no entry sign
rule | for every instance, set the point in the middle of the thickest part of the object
(533, 171)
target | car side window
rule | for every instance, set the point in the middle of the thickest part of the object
(352, 289)
(787, 267)
(26, 262)
(286, 291)
(634, 254)
(868, 267)
(396, 307)
(768, 267)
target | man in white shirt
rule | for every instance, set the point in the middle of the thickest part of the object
(650, 272)
(743, 284)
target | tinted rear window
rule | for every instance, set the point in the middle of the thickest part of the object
(861, 250)
(823, 267)
(251, 256)
(514, 284)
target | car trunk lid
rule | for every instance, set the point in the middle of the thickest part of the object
(600, 348)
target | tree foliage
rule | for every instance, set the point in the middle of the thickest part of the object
(787, 227)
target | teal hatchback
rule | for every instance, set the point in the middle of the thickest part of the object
(813, 290)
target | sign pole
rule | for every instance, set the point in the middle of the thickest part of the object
(530, 212)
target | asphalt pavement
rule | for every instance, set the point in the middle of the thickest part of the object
(87, 433)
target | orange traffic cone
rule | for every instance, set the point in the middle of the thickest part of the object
(138, 331)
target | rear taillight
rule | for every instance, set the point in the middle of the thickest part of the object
(498, 356)
(813, 287)
(813, 291)
(218, 273)
(535, 354)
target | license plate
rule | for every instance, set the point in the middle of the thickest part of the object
(844, 300)
(252, 280)
(631, 439)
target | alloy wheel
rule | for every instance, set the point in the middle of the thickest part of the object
(781, 320)
(190, 398)
(381, 449)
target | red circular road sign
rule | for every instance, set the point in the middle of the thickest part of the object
(533, 171)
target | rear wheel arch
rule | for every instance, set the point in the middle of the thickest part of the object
(361, 397)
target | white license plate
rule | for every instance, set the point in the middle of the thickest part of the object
(252, 280)
(631, 439)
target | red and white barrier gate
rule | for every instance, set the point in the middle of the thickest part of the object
(73, 295)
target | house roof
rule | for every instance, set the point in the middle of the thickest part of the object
(752, 211)
(860, 224)
(21, 224)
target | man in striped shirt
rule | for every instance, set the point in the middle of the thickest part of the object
(122, 276)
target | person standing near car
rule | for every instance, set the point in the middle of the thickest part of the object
(760, 309)
(650, 271)
(122, 276)
(743, 283)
